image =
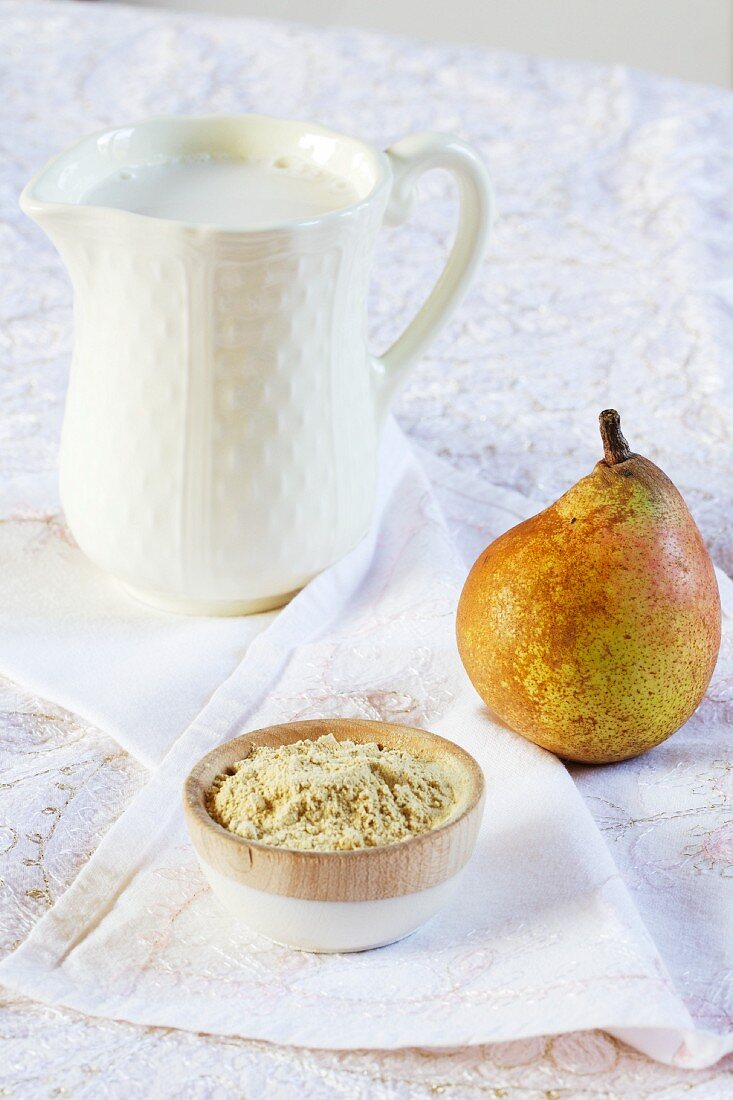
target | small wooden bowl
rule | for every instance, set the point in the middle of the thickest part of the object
(337, 901)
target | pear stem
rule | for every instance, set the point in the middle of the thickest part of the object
(615, 447)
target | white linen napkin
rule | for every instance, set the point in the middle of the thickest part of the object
(69, 633)
(543, 938)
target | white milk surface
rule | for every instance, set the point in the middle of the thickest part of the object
(224, 192)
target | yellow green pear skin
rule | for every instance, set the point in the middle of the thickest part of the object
(593, 628)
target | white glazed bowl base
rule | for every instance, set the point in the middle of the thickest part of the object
(329, 926)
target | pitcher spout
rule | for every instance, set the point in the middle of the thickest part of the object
(54, 198)
(58, 220)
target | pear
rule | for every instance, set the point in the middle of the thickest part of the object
(593, 628)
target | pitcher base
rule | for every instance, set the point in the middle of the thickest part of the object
(179, 605)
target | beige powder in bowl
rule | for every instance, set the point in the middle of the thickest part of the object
(330, 795)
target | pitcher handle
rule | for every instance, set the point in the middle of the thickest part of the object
(409, 158)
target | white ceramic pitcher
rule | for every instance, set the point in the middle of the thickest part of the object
(220, 438)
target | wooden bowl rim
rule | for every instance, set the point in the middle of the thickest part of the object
(343, 729)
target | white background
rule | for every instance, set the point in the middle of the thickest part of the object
(690, 39)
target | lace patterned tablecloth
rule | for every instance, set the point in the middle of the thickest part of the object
(608, 283)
